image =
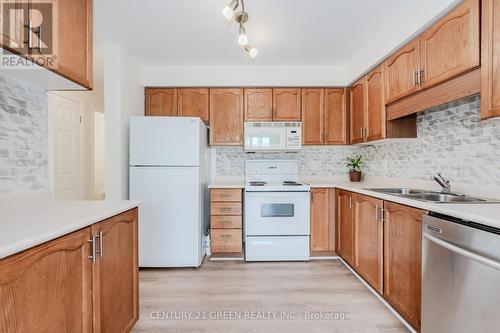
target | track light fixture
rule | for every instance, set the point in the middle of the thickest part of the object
(241, 18)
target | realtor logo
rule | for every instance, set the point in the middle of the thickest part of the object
(29, 29)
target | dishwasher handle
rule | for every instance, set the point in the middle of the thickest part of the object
(466, 253)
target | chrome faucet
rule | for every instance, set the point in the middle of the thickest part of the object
(445, 183)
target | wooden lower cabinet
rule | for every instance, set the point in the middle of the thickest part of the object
(368, 240)
(345, 225)
(116, 274)
(226, 221)
(48, 288)
(403, 260)
(55, 287)
(322, 220)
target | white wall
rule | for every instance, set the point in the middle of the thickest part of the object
(99, 155)
(244, 76)
(123, 97)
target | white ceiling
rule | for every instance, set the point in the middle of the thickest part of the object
(286, 32)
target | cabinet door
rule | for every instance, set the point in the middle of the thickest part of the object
(48, 288)
(160, 101)
(116, 274)
(368, 240)
(357, 111)
(74, 39)
(451, 46)
(226, 117)
(286, 104)
(490, 59)
(14, 39)
(258, 104)
(402, 260)
(313, 116)
(345, 225)
(400, 72)
(193, 103)
(375, 108)
(335, 117)
(320, 222)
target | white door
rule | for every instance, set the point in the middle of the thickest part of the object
(170, 228)
(66, 149)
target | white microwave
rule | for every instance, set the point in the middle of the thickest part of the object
(273, 136)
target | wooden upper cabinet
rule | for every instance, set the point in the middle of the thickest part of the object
(345, 225)
(402, 260)
(335, 117)
(14, 39)
(357, 111)
(490, 59)
(320, 220)
(451, 46)
(48, 288)
(116, 274)
(400, 72)
(286, 104)
(226, 117)
(368, 242)
(74, 40)
(160, 101)
(193, 102)
(258, 104)
(375, 107)
(313, 116)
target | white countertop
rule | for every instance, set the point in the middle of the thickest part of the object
(32, 220)
(487, 214)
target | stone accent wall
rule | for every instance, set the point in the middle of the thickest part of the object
(451, 139)
(23, 137)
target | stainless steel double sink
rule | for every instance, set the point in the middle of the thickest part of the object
(432, 196)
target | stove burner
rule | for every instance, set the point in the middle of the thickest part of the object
(291, 183)
(257, 183)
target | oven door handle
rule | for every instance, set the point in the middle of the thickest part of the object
(463, 252)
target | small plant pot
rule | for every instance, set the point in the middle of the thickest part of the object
(355, 176)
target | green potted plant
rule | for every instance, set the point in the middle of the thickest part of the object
(354, 165)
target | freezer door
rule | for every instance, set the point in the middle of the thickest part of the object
(170, 226)
(170, 141)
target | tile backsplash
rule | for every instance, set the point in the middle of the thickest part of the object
(451, 139)
(23, 137)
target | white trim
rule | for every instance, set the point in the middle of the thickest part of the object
(226, 259)
(324, 258)
(381, 299)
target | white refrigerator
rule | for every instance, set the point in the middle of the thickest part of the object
(169, 172)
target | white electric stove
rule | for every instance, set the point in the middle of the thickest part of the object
(277, 212)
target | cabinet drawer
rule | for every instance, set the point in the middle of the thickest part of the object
(226, 208)
(226, 240)
(226, 222)
(225, 195)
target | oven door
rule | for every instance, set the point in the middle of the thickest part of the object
(277, 213)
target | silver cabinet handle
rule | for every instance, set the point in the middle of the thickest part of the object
(420, 75)
(40, 39)
(101, 244)
(377, 212)
(29, 26)
(350, 201)
(93, 255)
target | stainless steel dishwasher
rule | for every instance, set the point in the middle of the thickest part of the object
(460, 276)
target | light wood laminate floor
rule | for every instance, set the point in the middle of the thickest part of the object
(257, 292)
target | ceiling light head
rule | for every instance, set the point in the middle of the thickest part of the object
(241, 17)
(242, 38)
(228, 11)
(252, 51)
